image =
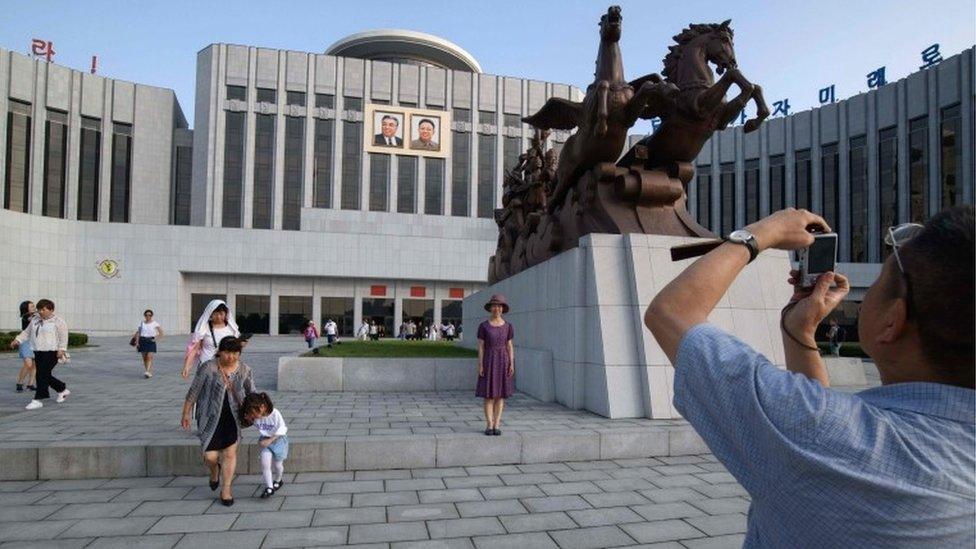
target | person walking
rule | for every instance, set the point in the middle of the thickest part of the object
(449, 331)
(218, 391)
(434, 331)
(214, 324)
(374, 331)
(331, 331)
(27, 371)
(311, 333)
(273, 439)
(48, 337)
(363, 332)
(496, 362)
(145, 340)
(833, 337)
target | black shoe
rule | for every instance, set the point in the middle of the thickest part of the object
(276, 485)
(214, 484)
(227, 502)
(20, 387)
(267, 493)
(489, 431)
(31, 387)
(495, 432)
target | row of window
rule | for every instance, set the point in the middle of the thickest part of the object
(17, 174)
(949, 184)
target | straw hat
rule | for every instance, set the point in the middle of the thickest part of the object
(497, 299)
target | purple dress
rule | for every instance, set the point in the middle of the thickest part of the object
(496, 383)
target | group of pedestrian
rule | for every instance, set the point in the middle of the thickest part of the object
(43, 345)
(329, 328)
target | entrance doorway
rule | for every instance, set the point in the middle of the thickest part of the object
(380, 312)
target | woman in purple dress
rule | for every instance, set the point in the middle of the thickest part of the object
(496, 362)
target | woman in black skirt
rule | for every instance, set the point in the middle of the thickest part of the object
(218, 390)
(146, 337)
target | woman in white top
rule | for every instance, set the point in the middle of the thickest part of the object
(214, 324)
(48, 336)
(145, 339)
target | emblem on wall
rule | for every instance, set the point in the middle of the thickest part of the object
(108, 268)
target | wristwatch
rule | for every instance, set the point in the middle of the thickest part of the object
(747, 239)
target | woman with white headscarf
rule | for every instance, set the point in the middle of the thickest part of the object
(214, 324)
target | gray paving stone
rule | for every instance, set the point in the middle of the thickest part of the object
(493, 470)
(72, 543)
(528, 478)
(17, 485)
(245, 505)
(578, 476)
(464, 527)
(270, 520)
(662, 530)
(334, 476)
(165, 508)
(27, 512)
(228, 540)
(666, 495)
(589, 465)
(721, 490)
(329, 501)
(383, 474)
(491, 508)
(429, 511)
(81, 496)
(131, 526)
(591, 538)
(721, 506)
(399, 531)
(142, 542)
(555, 503)
(615, 499)
(473, 482)
(677, 481)
(624, 484)
(716, 477)
(294, 537)
(137, 482)
(352, 515)
(439, 472)
(732, 541)
(415, 484)
(95, 510)
(664, 511)
(516, 541)
(152, 494)
(456, 543)
(384, 498)
(450, 495)
(682, 469)
(604, 516)
(352, 487)
(542, 467)
(566, 488)
(13, 531)
(67, 485)
(536, 522)
(24, 498)
(717, 525)
(189, 524)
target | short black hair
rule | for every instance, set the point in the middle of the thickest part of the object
(149, 311)
(253, 403)
(230, 344)
(427, 120)
(24, 307)
(939, 264)
(221, 307)
(391, 117)
(45, 304)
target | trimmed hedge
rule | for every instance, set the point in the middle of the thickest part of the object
(75, 339)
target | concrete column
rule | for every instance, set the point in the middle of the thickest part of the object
(337, 132)
(844, 182)
(448, 162)
(763, 170)
(364, 161)
(437, 307)
(38, 119)
(473, 159)
(874, 212)
(273, 309)
(105, 167)
(901, 151)
(393, 183)
(790, 159)
(278, 187)
(247, 196)
(74, 149)
(934, 142)
(219, 131)
(816, 169)
(4, 93)
(966, 77)
(499, 139)
(739, 189)
(715, 198)
(309, 142)
(420, 188)
(397, 309)
(357, 308)
(317, 305)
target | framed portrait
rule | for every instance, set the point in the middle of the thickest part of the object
(406, 130)
(388, 129)
(425, 132)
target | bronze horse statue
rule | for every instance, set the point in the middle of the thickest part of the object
(609, 109)
(689, 117)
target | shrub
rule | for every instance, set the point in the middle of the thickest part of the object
(77, 339)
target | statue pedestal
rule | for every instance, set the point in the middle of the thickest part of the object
(580, 338)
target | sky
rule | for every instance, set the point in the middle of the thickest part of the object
(791, 48)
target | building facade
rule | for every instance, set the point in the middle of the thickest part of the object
(112, 205)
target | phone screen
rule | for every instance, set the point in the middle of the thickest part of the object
(822, 254)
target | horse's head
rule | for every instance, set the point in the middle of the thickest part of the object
(719, 49)
(610, 25)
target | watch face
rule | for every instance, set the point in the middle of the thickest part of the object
(740, 235)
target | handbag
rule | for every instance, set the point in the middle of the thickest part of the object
(134, 339)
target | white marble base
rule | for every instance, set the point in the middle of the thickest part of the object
(845, 371)
(579, 331)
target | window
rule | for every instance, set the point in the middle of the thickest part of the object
(379, 101)
(352, 103)
(55, 163)
(859, 199)
(89, 166)
(407, 184)
(238, 93)
(486, 175)
(121, 185)
(294, 312)
(264, 147)
(351, 147)
(704, 194)
(294, 193)
(17, 173)
(512, 121)
(340, 310)
(752, 190)
(727, 181)
(512, 148)
(486, 117)
(801, 172)
(434, 186)
(379, 182)
(830, 182)
(324, 101)
(198, 303)
(918, 169)
(233, 170)
(183, 177)
(407, 103)
(253, 313)
(267, 95)
(462, 115)
(380, 312)
(295, 98)
(777, 183)
(322, 167)
(421, 311)
(451, 312)
(460, 178)
(951, 155)
(887, 182)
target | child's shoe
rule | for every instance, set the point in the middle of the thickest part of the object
(267, 493)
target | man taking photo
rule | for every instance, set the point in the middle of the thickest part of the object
(892, 466)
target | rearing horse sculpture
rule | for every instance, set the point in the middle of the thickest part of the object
(609, 109)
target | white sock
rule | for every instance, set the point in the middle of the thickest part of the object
(266, 467)
(279, 467)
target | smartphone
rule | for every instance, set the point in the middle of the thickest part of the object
(819, 258)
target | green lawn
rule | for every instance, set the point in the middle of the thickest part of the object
(393, 348)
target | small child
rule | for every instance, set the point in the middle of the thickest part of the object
(259, 411)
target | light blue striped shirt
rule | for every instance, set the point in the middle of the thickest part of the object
(892, 466)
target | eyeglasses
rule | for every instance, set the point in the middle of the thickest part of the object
(896, 238)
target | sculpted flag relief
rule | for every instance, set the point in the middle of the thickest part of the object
(548, 205)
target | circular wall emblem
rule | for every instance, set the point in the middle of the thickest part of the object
(108, 268)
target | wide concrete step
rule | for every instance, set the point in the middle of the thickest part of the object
(78, 460)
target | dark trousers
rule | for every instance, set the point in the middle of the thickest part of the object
(45, 362)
